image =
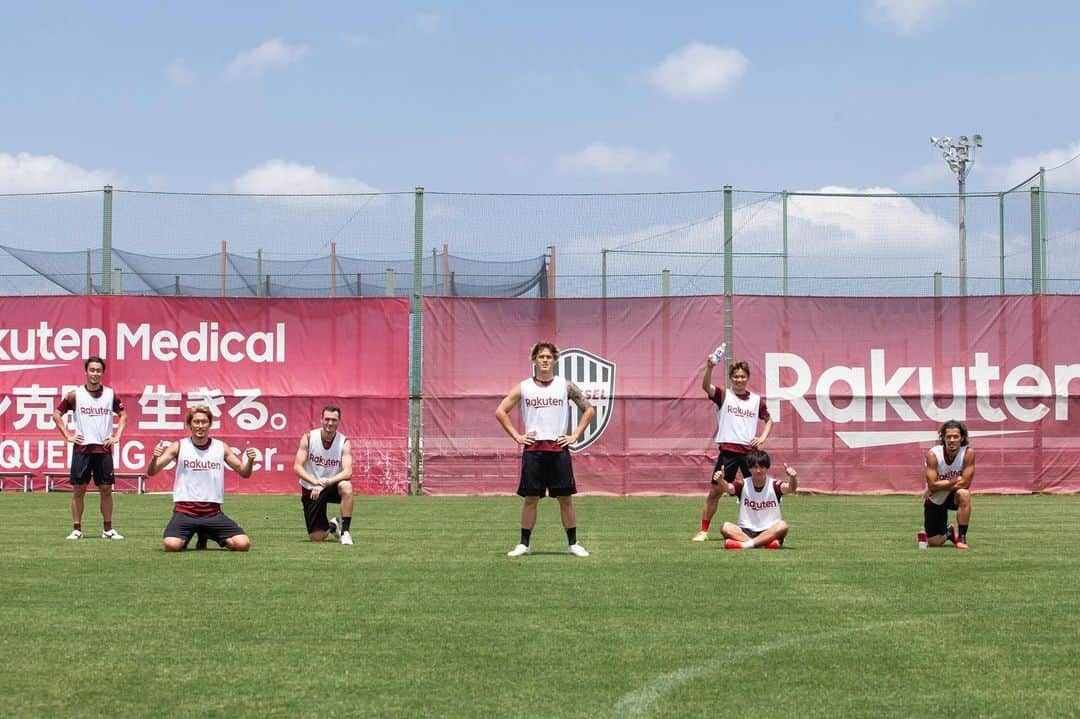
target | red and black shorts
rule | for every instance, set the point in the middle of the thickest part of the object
(546, 473)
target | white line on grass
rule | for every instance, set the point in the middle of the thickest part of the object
(641, 703)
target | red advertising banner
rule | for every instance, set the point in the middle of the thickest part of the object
(857, 388)
(264, 367)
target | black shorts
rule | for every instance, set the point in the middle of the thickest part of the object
(98, 466)
(731, 462)
(218, 527)
(315, 509)
(546, 473)
(936, 516)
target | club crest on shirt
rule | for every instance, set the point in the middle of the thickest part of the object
(595, 376)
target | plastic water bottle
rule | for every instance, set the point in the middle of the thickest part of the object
(922, 540)
(718, 353)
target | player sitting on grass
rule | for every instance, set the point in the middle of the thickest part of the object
(760, 524)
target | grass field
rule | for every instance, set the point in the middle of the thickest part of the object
(426, 617)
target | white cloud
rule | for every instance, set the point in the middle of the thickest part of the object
(698, 70)
(272, 53)
(1062, 178)
(615, 160)
(426, 23)
(277, 177)
(47, 173)
(906, 16)
(179, 74)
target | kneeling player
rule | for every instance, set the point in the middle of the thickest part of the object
(950, 469)
(760, 524)
(199, 487)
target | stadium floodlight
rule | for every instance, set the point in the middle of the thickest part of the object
(960, 156)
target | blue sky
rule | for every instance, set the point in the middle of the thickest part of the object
(540, 97)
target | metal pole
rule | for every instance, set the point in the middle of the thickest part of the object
(603, 273)
(551, 272)
(784, 198)
(89, 273)
(963, 237)
(1001, 241)
(389, 281)
(224, 266)
(333, 269)
(1042, 226)
(729, 279)
(937, 284)
(1036, 242)
(416, 449)
(106, 242)
(259, 273)
(118, 281)
(665, 282)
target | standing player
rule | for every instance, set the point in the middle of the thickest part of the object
(950, 469)
(760, 524)
(545, 459)
(92, 407)
(324, 465)
(199, 488)
(738, 411)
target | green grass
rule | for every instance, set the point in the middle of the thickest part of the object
(426, 617)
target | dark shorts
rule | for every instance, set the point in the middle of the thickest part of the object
(753, 533)
(315, 509)
(731, 462)
(546, 473)
(98, 466)
(218, 527)
(936, 516)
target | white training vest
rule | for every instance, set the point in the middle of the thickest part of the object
(759, 510)
(200, 473)
(737, 419)
(322, 462)
(950, 471)
(93, 415)
(545, 410)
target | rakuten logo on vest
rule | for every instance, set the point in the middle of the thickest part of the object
(868, 393)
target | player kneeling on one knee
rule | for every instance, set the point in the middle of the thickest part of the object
(199, 487)
(760, 524)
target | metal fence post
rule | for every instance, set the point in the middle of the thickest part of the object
(665, 282)
(106, 242)
(937, 284)
(1001, 241)
(603, 273)
(416, 449)
(1042, 227)
(1036, 241)
(784, 198)
(729, 278)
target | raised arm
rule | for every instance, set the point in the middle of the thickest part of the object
(243, 469)
(706, 379)
(163, 454)
(791, 484)
(587, 413)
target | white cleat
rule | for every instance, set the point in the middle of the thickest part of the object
(519, 550)
(111, 534)
(346, 538)
(75, 534)
(701, 536)
(577, 550)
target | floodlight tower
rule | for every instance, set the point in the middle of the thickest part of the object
(959, 155)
